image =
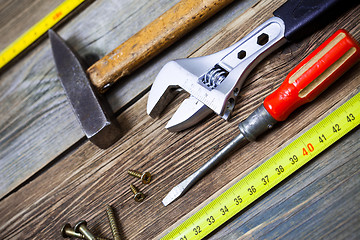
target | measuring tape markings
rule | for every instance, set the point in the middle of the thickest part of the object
(31, 35)
(271, 172)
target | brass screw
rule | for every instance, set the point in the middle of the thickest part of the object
(113, 226)
(145, 177)
(81, 227)
(138, 196)
(67, 232)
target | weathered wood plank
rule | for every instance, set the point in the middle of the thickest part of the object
(79, 185)
(319, 202)
(17, 16)
(39, 124)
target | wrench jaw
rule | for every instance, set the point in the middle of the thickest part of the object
(171, 78)
(224, 95)
(175, 75)
(190, 112)
(162, 91)
(213, 81)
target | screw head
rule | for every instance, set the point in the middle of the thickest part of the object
(68, 232)
(64, 230)
(79, 224)
(139, 197)
(146, 177)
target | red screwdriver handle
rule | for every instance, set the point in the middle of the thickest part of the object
(314, 74)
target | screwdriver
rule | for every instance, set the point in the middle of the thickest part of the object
(303, 84)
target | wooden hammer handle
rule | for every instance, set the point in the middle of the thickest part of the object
(151, 40)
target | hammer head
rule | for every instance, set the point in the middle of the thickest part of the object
(91, 109)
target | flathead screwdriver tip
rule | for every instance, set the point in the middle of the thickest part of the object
(186, 184)
(174, 194)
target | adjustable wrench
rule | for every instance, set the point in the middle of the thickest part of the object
(214, 81)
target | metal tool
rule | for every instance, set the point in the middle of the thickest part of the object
(303, 84)
(270, 173)
(214, 81)
(91, 109)
(89, 106)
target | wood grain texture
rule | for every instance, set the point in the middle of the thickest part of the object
(37, 123)
(319, 201)
(19, 15)
(80, 183)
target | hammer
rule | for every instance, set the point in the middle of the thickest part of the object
(84, 87)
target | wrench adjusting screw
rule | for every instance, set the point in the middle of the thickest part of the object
(138, 196)
(145, 177)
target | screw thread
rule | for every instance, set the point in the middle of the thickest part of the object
(112, 221)
(134, 189)
(134, 173)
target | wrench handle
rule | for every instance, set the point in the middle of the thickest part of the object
(303, 17)
(314, 74)
(151, 40)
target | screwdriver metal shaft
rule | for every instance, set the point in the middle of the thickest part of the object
(257, 123)
(303, 84)
(185, 185)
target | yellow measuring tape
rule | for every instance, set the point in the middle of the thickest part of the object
(31, 35)
(271, 172)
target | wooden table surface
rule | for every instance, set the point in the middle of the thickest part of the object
(50, 174)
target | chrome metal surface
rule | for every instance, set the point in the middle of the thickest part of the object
(257, 123)
(190, 112)
(198, 76)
